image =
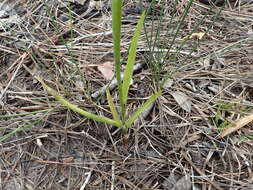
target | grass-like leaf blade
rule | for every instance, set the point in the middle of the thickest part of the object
(116, 28)
(112, 106)
(128, 73)
(76, 109)
(116, 33)
(143, 107)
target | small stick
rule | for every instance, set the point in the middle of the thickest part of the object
(200, 172)
(113, 83)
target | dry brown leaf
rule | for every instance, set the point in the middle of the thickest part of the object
(237, 125)
(107, 69)
(68, 160)
(183, 100)
(197, 36)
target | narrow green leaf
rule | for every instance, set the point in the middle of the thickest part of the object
(116, 28)
(76, 109)
(128, 73)
(26, 113)
(116, 33)
(112, 106)
(144, 106)
(27, 125)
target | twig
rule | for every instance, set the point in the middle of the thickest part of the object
(113, 175)
(86, 180)
(200, 172)
(113, 83)
(13, 76)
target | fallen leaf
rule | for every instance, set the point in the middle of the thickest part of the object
(197, 36)
(107, 70)
(68, 160)
(237, 125)
(183, 100)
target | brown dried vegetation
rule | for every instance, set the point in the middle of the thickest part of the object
(45, 146)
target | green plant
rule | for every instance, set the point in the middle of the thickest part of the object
(119, 120)
(168, 38)
(220, 122)
(226, 111)
(221, 117)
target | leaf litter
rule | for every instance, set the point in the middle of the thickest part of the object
(183, 100)
(107, 69)
(94, 157)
